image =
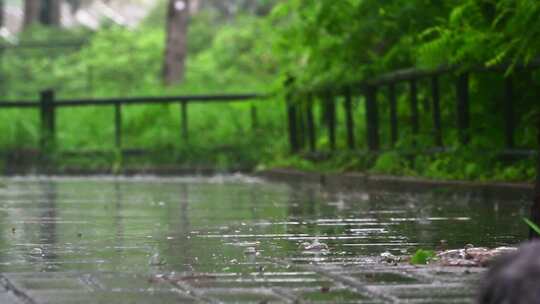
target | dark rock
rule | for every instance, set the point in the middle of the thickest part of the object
(513, 278)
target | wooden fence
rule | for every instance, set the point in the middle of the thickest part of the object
(301, 122)
(48, 104)
(302, 127)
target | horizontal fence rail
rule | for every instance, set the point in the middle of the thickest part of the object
(158, 100)
(408, 74)
(19, 104)
(44, 45)
(134, 100)
(415, 74)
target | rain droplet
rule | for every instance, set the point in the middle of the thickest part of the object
(156, 260)
(36, 251)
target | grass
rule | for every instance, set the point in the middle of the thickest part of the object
(532, 225)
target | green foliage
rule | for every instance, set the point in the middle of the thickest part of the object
(291, 162)
(422, 257)
(484, 32)
(390, 163)
(326, 45)
(118, 61)
(322, 44)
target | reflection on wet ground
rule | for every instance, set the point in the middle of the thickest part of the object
(234, 239)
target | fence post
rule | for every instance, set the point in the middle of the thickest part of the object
(118, 125)
(254, 118)
(372, 118)
(414, 107)
(509, 112)
(47, 141)
(436, 111)
(462, 93)
(291, 114)
(535, 208)
(393, 114)
(310, 124)
(184, 123)
(349, 119)
(301, 125)
(331, 119)
(90, 80)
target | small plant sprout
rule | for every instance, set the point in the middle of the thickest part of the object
(422, 257)
(532, 225)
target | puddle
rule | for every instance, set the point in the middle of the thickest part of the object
(247, 237)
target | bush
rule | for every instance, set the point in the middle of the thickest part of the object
(389, 162)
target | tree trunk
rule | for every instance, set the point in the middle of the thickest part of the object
(31, 12)
(194, 7)
(2, 13)
(74, 5)
(176, 44)
(50, 12)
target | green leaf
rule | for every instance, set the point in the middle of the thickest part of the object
(532, 225)
(422, 257)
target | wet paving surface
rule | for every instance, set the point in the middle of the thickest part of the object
(235, 240)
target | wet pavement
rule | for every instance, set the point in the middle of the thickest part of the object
(235, 239)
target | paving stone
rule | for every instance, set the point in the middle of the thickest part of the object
(9, 298)
(235, 295)
(91, 241)
(435, 291)
(383, 277)
(122, 297)
(330, 295)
